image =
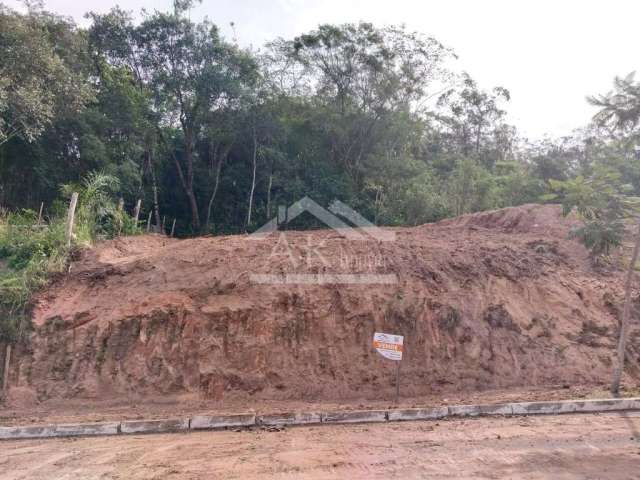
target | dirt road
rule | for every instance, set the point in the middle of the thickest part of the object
(558, 447)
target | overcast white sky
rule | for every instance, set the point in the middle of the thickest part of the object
(549, 54)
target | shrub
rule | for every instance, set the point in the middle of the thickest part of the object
(603, 203)
(29, 253)
(600, 237)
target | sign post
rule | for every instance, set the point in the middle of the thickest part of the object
(397, 381)
(390, 346)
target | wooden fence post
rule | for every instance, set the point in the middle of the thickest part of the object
(70, 217)
(40, 214)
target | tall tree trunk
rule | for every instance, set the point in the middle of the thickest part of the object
(378, 205)
(6, 369)
(193, 203)
(154, 186)
(253, 179)
(218, 167)
(269, 194)
(624, 324)
(193, 206)
(186, 180)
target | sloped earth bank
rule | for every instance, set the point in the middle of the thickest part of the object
(495, 300)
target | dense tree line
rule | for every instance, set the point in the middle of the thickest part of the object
(218, 136)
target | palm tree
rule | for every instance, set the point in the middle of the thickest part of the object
(619, 109)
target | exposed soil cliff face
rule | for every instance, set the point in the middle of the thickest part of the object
(487, 300)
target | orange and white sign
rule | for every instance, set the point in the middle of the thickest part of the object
(388, 345)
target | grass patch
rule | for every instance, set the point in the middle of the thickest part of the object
(31, 252)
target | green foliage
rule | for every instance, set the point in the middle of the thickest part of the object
(598, 196)
(602, 201)
(338, 112)
(619, 109)
(472, 122)
(36, 80)
(200, 128)
(31, 252)
(97, 215)
(600, 236)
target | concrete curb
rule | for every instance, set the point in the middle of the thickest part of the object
(212, 422)
(280, 419)
(355, 416)
(52, 431)
(155, 426)
(417, 414)
(548, 408)
(216, 422)
(463, 411)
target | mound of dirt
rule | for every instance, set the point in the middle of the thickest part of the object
(489, 300)
(530, 218)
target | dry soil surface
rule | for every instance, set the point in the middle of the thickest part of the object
(558, 447)
(496, 300)
(81, 411)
